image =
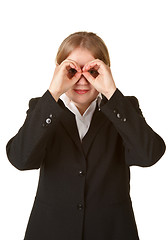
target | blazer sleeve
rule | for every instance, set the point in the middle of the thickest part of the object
(27, 149)
(143, 146)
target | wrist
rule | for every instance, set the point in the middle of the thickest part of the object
(110, 93)
(55, 95)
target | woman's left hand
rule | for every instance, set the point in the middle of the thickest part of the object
(100, 76)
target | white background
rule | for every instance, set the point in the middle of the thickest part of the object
(136, 35)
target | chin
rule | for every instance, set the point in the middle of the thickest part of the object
(82, 102)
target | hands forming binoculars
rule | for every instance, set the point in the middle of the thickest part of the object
(95, 72)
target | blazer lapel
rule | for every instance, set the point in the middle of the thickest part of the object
(97, 121)
(69, 123)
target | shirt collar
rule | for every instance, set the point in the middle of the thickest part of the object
(71, 106)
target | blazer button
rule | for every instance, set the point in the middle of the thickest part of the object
(48, 120)
(80, 206)
(81, 173)
(118, 115)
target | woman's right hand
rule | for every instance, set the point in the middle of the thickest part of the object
(65, 76)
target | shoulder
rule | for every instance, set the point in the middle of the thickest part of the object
(133, 100)
(33, 102)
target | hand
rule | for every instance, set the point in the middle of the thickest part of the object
(100, 76)
(65, 76)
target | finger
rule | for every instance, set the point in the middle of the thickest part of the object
(94, 63)
(67, 65)
(69, 68)
(76, 77)
(72, 64)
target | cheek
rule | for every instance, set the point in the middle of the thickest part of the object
(94, 92)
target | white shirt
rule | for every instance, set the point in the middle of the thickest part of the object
(82, 121)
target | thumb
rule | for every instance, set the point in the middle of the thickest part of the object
(89, 77)
(76, 77)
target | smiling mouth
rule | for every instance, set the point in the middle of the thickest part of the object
(81, 91)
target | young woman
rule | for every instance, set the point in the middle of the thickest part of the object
(83, 134)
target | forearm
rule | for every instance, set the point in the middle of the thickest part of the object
(143, 144)
(26, 150)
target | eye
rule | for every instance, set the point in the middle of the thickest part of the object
(71, 72)
(93, 72)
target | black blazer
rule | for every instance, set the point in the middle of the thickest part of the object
(83, 190)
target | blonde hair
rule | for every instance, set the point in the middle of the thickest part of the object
(86, 40)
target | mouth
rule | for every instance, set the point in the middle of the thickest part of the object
(81, 91)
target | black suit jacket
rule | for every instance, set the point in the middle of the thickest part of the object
(83, 190)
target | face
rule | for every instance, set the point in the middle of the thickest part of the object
(82, 93)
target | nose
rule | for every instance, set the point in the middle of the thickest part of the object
(82, 81)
